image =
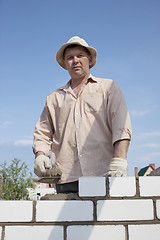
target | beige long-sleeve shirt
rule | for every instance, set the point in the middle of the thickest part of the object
(80, 130)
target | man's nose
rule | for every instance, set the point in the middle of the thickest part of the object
(75, 59)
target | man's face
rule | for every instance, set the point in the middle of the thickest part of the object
(77, 61)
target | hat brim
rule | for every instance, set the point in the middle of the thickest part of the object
(59, 55)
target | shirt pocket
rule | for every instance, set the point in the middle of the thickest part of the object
(93, 102)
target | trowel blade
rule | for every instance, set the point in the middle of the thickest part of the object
(49, 180)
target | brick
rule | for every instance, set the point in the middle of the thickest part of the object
(149, 186)
(34, 232)
(92, 186)
(147, 232)
(122, 186)
(124, 210)
(95, 232)
(48, 211)
(15, 211)
(158, 208)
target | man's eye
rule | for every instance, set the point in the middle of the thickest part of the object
(69, 58)
(80, 55)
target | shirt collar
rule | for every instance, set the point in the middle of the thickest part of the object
(68, 85)
(91, 78)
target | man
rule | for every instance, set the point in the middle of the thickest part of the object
(85, 124)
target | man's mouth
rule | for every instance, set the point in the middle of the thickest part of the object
(76, 67)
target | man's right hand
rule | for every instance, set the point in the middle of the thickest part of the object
(41, 164)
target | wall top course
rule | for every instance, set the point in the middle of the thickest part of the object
(92, 186)
(122, 187)
(119, 186)
(149, 186)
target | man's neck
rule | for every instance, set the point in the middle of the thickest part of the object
(79, 82)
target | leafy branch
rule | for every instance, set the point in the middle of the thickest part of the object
(15, 180)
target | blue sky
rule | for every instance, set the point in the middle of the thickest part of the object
(126, 35)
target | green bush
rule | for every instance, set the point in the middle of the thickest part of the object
(16, 178)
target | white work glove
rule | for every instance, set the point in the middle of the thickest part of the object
(117, 168)
(41, 164)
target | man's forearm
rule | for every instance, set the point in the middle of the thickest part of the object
(118, 164)
(121, 148)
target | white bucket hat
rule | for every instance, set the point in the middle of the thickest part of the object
(78, 41)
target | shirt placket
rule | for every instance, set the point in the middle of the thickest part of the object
(76, 120)
(77, 117)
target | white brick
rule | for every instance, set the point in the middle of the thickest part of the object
(149, 186)
(15, 211)
(92, 186)
(49, 211)
(144, 232)
(34, 232)
(122, 186)
(96, 232)
(158, 208)
(124, 210)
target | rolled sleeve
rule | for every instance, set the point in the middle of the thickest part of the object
(43, 133)
(118, 116)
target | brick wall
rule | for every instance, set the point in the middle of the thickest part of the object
(115, 208)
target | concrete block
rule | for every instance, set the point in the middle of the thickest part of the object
(124, 210)
(34, 232)
(158, 208)
(122, 186)
(70, 210)
(149, 186)
(146, 232)
(15, 211)
(92, 186)
(96, 232)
